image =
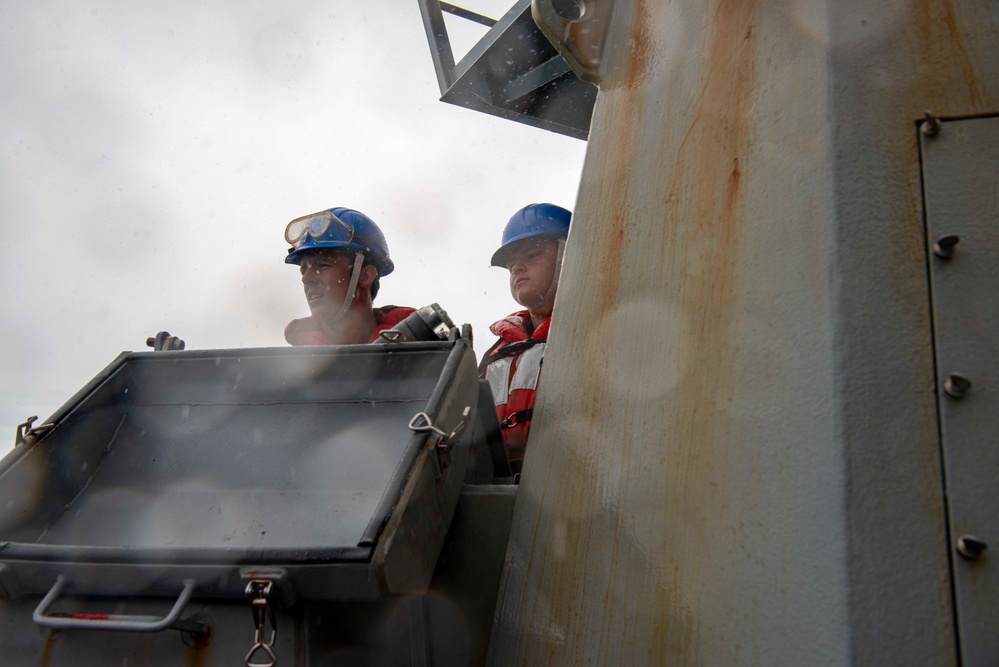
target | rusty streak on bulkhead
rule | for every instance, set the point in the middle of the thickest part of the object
(710, 168)
(708, 190)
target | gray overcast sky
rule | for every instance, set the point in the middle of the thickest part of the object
(152, 153)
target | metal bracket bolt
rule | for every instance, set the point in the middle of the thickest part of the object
(957, 386)
(931, 126)
(164, 341)
(971, 547)
(29, 430)
(944, 247)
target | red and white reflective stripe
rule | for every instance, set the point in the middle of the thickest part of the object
(498, 377)
(528, 368)
(525, 375)
(113, 617)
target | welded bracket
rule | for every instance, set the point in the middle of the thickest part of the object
(578, 29)
(513, 71)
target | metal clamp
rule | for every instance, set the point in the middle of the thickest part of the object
(164, 341)
(421, 422)
(26, 430)
(258, 591)
(427, 425)
(121, 622)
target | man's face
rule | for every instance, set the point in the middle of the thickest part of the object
(325, 277)
(531, 264)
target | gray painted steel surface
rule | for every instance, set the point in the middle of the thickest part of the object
(512, 72)
(192, 465)
(212, 452)
(735, 459)
(450, 625)
(961, 182)
(202, 471)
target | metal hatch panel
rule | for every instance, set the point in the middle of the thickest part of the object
(961, 182)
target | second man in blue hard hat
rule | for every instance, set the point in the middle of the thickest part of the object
(342, 256)
(531, 250)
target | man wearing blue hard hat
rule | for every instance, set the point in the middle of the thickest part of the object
(342, 255)
(531, 250)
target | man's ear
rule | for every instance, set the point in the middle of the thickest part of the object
(368, 275)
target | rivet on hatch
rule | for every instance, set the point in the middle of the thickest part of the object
(957, 386)
(971, 547)
(944, 247)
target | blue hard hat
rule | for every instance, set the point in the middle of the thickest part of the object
(338, 228)
(532, 220)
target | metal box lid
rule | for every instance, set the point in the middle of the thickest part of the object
(213, 465)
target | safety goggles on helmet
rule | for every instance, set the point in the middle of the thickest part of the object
(322, 226)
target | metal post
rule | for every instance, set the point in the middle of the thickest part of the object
(735, 458)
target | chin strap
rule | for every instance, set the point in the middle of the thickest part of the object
(553, 286)
(348, 298)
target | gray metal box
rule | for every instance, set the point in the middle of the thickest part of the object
(210, 466)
